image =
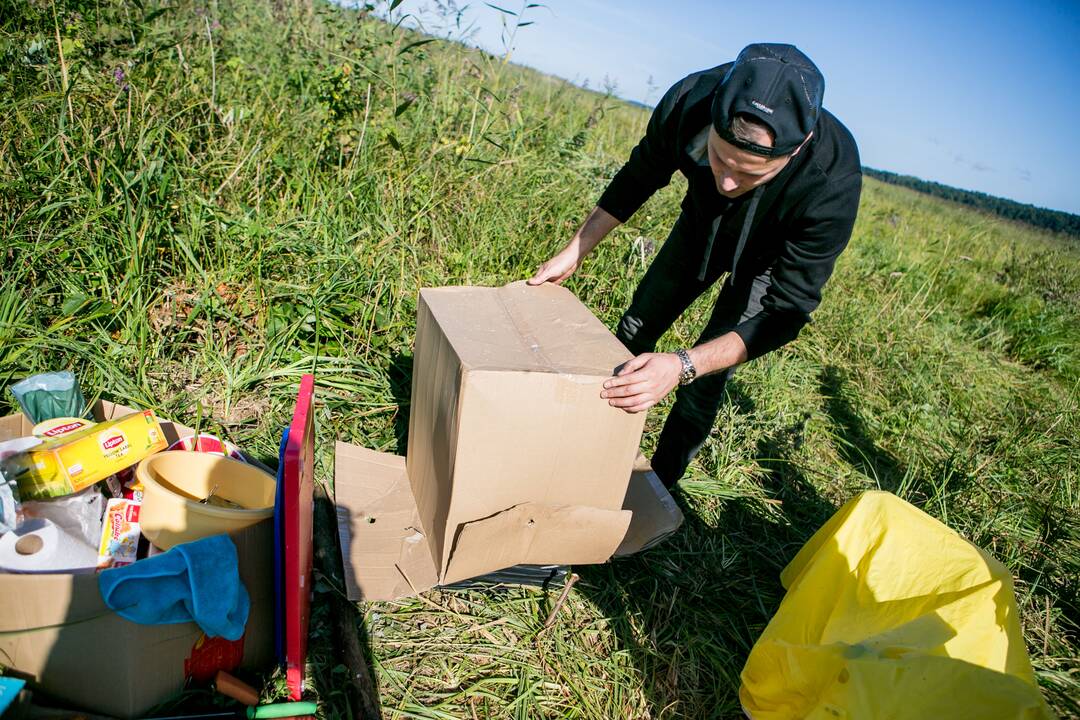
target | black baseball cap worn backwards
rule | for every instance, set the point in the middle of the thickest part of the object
(778, 85)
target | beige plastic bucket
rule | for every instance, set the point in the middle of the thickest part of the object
(175, 481)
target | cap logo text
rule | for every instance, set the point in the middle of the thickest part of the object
(763, 108)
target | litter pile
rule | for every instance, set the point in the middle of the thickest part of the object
(111, 516)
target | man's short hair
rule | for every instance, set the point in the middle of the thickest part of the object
(748, 128)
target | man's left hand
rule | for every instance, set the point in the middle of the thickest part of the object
(643, 381)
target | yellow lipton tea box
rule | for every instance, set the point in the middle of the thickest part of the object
(77, 460)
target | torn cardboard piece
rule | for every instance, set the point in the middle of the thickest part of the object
(506, 409)
(384, 547)
(385, 550)
(536, 534)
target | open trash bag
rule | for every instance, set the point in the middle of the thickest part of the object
(890, 614)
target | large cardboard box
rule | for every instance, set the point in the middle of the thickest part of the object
(56, 629)
(513, 455)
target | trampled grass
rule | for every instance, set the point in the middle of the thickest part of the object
(200, 204)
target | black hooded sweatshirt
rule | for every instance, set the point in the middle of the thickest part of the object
(795, 225)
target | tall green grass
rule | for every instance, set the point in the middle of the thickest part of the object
(201, 203)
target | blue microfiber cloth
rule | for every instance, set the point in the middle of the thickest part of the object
(197, 581)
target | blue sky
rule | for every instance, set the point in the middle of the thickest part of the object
(980, 95)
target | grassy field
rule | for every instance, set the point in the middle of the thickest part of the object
(198, 204)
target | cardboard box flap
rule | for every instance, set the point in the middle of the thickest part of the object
(384, 548)
(536, 534)
(14, 426)
(524, 328)
(655, 514)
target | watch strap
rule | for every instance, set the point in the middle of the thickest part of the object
(689, 372)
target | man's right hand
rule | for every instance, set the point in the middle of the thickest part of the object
(557, 268)
(596, 226)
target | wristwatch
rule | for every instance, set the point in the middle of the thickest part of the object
(689, 372)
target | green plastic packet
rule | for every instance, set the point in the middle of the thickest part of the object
(50, 395)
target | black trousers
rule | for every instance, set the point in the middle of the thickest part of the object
(669, 287)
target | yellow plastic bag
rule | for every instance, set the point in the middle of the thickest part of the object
(890, 614)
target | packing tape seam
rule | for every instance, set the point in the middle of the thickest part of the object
(579, 375)
(527, 338)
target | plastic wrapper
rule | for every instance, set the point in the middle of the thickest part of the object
(891, 614)
(80, 514)
(50, 395)
(10, 505)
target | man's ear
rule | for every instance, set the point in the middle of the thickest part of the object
(803, 144)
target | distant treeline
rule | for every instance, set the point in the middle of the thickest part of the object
(1053, 220)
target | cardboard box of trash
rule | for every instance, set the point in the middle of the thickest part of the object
(55, 628)
(513, 456)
